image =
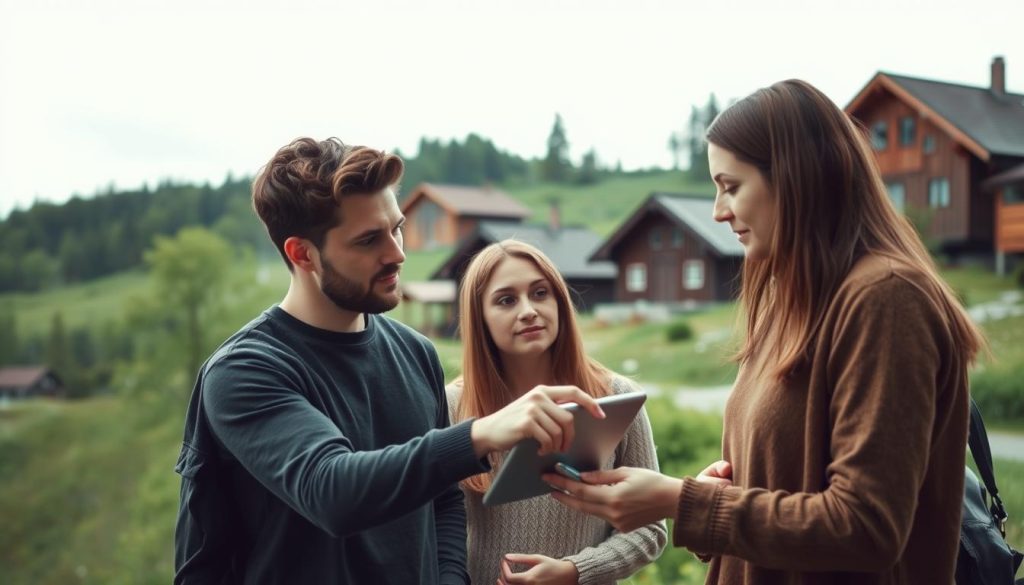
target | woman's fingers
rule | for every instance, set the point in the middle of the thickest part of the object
(606, 476)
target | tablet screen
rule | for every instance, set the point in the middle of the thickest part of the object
(520, 474)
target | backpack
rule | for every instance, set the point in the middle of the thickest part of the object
(985, 558)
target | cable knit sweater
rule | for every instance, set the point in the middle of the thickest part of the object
(543, 526)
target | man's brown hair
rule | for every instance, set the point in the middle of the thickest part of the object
(298, 193)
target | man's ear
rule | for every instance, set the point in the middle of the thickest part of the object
(302, 253)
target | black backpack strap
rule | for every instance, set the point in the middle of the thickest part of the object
(977, 439)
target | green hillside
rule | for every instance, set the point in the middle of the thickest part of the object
(602, 207)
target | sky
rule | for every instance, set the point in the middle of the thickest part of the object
(96, 93)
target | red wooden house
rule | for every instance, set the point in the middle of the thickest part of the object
(442, 215)
(937, 143)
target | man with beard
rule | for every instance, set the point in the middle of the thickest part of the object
(317, 447)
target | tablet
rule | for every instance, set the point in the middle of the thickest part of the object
(595, 441)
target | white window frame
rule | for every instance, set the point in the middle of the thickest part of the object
(938, 192)
(693, 274)
(897, 194)
(636, 277)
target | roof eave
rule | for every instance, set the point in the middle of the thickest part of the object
(883, 81)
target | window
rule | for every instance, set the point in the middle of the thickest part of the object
(677, 238)
(426, 222)
(1013, 194)
(908, 131)
(693, 274)
(636, 277)
(655, 238)
(938, 192)
(880, 135)
(929, 144)
(898, 194)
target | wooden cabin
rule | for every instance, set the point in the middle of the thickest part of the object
(442, 215)
(1008, 191)
(670, 250)
(936, 143)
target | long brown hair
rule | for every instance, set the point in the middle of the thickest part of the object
(484, 390)
(830, 207)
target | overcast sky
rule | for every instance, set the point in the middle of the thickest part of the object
(94, 92)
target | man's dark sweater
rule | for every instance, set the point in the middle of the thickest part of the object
(312, 456)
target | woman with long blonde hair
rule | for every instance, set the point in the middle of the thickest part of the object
(519, 331)
(845, 434)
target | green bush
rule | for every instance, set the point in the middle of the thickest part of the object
(999, 392)
(679, 331)
(687, 441)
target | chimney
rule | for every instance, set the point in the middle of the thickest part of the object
(998, 76)
(555, 217)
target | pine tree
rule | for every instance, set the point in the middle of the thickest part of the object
(57, 354)
(556, 167)
(675, 146)
(8, 335)
(588, 169)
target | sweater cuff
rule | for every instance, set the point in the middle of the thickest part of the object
(455, 452)
(588, 567)
(704, 516)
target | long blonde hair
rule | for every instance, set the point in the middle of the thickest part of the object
(831, 208)
(484, 389)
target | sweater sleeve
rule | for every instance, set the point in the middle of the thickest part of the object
(622, 554)
(884, 366)
(449, 507)
(301, 456)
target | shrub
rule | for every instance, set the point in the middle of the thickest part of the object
(999, 392)
(679, 331)
(687, 441)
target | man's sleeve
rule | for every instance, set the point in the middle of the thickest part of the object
(449, 507)
(300, 455)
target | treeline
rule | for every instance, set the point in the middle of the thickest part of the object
(85, 238)
(476, 161)
(82, 239)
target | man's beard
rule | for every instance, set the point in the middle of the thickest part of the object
(349, 295)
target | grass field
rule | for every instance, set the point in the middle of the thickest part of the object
(618, 197)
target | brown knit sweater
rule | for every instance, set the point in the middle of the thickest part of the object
(853, 470)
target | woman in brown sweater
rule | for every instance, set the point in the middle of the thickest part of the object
(845, 435)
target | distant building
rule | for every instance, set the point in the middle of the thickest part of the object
(1008, 188)
(442, 215)
(937, 143)
(568, 248)
(671, 250)
(28, 382)
(436, 299)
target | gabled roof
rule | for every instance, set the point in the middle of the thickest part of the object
(981, 121)
(691, 211)
(567, 247)
(21, 376)
(1011, 175)
(468, 201)
(429, 291)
